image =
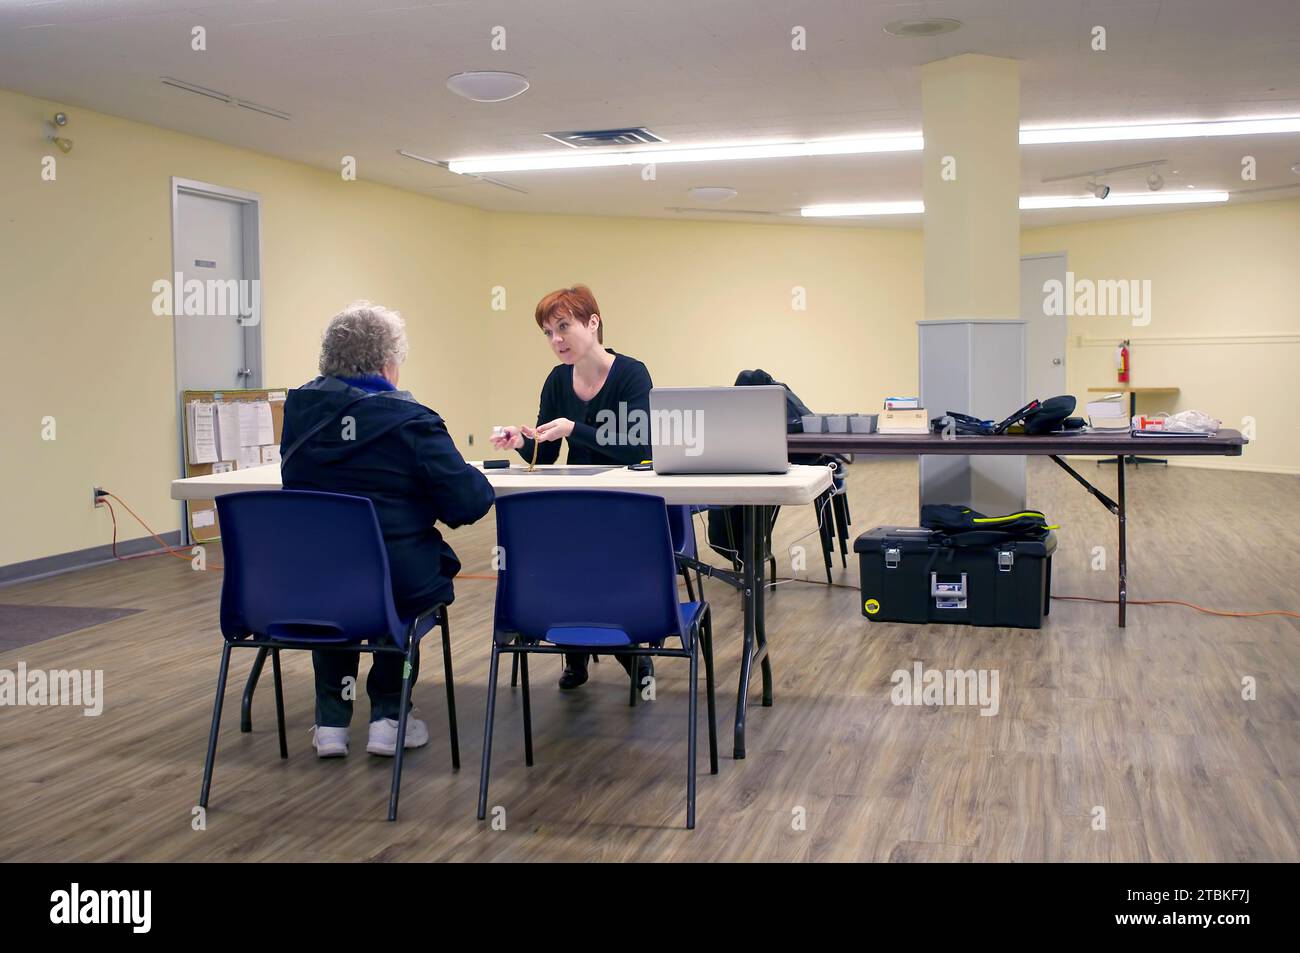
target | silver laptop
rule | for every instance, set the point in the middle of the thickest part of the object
(718, 429)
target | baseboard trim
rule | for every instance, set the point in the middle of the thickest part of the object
(33, 569)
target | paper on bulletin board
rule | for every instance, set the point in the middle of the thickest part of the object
(256, 427)
(199, 419)
(227, 431)
(202, 518)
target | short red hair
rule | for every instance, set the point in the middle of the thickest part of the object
(577, 302)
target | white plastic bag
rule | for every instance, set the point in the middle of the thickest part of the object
(1192, 421)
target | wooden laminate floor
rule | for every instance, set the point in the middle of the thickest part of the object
(1147, 723)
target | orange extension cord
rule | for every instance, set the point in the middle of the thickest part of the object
(178, 551)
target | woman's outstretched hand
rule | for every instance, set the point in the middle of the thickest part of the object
(556, 429)
(511, 438)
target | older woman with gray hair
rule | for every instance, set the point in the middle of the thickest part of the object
(365, 437)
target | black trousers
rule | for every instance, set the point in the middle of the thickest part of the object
(383, 685)
(583, 659)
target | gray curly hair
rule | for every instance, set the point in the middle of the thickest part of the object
(363, 338)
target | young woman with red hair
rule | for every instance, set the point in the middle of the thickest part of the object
(593, 399)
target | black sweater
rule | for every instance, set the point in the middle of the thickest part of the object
(628, 384)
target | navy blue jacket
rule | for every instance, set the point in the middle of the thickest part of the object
(401, 457)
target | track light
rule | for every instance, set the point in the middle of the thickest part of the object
(1099, 190)
(53, 126)
(1155, 181)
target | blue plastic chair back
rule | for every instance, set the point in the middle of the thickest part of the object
(591, 567)
(303, 566)
(682, 526)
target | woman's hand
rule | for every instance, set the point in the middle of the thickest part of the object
(512, 438)
(557, 429)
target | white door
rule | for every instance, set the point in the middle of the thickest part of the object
(217, 348)
(1045, 334)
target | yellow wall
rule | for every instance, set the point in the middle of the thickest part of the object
(697, 301)
(1225, 317)
(700, 301)
(78, 257)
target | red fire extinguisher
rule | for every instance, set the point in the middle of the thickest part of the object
(1121, 362)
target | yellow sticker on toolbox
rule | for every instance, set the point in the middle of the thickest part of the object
(872, 606)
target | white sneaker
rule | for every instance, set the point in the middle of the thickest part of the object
(383, 735)
(329, 742)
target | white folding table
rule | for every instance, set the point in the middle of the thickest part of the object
(754, 493)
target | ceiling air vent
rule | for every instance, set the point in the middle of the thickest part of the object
(633, 136)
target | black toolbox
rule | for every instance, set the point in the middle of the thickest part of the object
(916, 575)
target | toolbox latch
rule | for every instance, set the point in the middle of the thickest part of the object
(892, 557)
(948, 595)
(1006, 559)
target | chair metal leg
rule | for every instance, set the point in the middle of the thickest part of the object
(246, 707)
(279, 702)
(514, 671)
(633, 689)
(692, 706)
(451, 691)
(690, 589)
(707, 629)
(403, 714)
(487, 732)
(841, 527)
(824, 533)
(216, 725)
(528, 710)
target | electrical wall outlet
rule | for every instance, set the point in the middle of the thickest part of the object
(96, 494)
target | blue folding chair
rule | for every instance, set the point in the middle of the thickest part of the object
(589, 570)
(682, 527)
(307, 570)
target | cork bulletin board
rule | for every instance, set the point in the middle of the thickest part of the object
(201, 515)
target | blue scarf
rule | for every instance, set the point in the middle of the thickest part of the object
(371, 383)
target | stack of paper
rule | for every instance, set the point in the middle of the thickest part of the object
(1108, 414)
(902, 403)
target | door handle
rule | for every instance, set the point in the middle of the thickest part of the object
(1056, 361)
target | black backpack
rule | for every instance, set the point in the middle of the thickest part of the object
(795, 409)
(963, 526)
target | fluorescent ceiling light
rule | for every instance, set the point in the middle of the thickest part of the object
(1027, 203)
(781, 150)
(1032, 202)
(862, 208)
(867, 145)
(1162, 130)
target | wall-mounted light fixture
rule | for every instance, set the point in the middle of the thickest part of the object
(52, 129)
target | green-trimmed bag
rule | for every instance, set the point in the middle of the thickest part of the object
(967, 527)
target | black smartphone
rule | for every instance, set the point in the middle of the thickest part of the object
(496, 464)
